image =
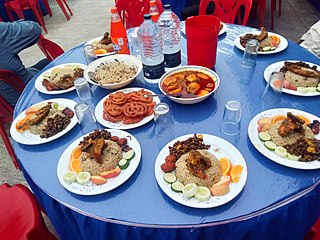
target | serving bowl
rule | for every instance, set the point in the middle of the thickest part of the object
(192, 100)
(126, 59)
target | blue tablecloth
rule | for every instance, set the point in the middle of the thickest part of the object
(277, 202)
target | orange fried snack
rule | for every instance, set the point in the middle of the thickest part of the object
(128, 108)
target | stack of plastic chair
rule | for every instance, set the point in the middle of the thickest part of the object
(50, 49)
(227, 10)
(18, 6)
(6, 111)
(261, 5)
(132, 11)
(20, 215)
(61, 4)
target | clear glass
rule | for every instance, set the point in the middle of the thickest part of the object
(231, 118)
(83, 90)
(89, 53)
(86, 119)
(250, 53)
(273, 91)
(163, 120)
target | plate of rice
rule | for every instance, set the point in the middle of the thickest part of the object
(288, 137)
(44, 122)
(208, 147)
(294, 83)
(90, 177)
(116, 104)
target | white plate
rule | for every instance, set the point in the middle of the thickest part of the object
(41, 88)
(258, 144)
(183, 28)
(219, 148)
(92, 189)
(276, 67)
(99, 111)
(282, 46)
(97, 40)
(28, 138)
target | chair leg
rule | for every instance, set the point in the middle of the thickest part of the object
(273, 6)
(20, 14)
(10, 15)
(39, 18)
(65, 3)
(279, 8)
(63, 9)
(261, 12)
(47, 7)
(8, 145)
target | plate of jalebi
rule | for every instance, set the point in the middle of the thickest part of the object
(126, 108)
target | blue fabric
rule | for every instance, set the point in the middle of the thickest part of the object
(139, 209)
(15, 37)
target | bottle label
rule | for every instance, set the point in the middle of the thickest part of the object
(153, 72)
(172, 59)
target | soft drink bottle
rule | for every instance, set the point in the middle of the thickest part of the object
(118, 33)
(154, 11)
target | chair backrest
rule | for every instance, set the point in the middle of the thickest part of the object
(49, 48)
(132, 11)
(24, 220)
(227, 10)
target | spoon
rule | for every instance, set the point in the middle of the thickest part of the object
(160, 95)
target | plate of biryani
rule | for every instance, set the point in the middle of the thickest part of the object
(113, 72)
(126, 108)
(200, 171)
(99, 162)
(44, 122)
(59, 79)
(287, 136)
(269, 42)
(301, 78)
(102, 45)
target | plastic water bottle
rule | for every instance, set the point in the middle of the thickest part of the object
(118, 33)
(169, 24)
(151, 50)
(154, 11)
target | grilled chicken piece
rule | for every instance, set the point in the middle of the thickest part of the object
(98, 146)
(291, 124)
(262, 35)
(301, 68)
(36, 118)
(106, 39)
(197, 164)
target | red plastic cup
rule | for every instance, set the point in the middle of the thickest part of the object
(202, 38)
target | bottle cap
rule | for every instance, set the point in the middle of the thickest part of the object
(147, 16)
(153, 3)
(114, 10)
(167, 6)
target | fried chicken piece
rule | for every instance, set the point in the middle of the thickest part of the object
(97, 148)
(106, 39)
(36, 118)
(291, 124)
(262, 35)
(197, 164)
(301, 68)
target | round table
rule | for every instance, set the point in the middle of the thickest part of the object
(277, 202)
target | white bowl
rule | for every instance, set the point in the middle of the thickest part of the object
(182, 100)
(127, 59)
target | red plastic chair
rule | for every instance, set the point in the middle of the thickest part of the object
(61, 4)
(6, 111)
(261, 5)
(18, 6)
(314, 232)
(20, 215)
(227, 10)
(50, 49)
(132, 11)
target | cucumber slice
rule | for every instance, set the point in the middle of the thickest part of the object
(293, 157)
(318, 89)
(61, 107)
(55, 105)
(270, 145)
(169, 177)
(312, 89)
(123, 163)
(302, 89)
(267, 48)
(47, 75)
(264, 136)
(83, 178)
(203, 194)
(129, 155)
(273, 48)
(177, 186)
(74, 67)
(69, 177)
(190, 189)
(281, 152)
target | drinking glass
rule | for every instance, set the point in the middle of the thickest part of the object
(163, 120)
(273, 91)
(250, 53)
(86, 119)
(231, 118)
(89, 53)
(83, 90)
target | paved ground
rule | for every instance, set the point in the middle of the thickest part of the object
(91, 19)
